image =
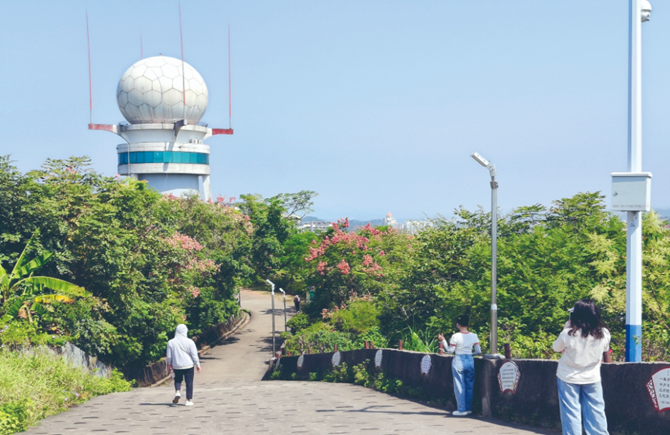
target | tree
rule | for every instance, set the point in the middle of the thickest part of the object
(298, 203)
(31, 296)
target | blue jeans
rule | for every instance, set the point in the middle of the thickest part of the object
(586, 399)
(463, 368)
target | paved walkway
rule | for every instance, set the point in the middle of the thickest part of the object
(230, 398)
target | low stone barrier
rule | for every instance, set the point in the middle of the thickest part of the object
(157, 373)
(79, 358)
(634, 401)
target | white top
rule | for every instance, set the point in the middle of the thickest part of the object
(181, 351)
(580, 363)
(462, 343)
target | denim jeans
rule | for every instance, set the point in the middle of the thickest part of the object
(179, 375)
(586, 399)
(463, 368)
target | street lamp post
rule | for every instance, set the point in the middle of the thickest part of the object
(640, 11)
(274, 354)
(494, 250)
(284, 293)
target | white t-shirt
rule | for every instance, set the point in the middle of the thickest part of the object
(580, 363)
(464, 342)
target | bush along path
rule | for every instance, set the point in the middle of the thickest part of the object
(36, 384)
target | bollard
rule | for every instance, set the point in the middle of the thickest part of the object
(399, 344)
(365, 344)
(508, 351)
(288, 353)
(335, 349)
(309, 350)
(370, 345)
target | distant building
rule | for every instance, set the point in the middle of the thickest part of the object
(390, 221)
(415, 227)
(314, 226)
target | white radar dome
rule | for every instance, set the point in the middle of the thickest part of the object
(150, 92)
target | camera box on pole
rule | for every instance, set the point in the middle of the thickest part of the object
(631, 191)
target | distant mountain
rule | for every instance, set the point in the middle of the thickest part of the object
(353, 223)
(663, 212)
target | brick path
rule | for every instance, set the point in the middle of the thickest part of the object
(229, 398)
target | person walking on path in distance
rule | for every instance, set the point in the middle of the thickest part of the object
(182, 357)
(296, 302)
(463, 364)
(583, 341)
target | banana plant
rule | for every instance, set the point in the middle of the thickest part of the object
(32, 297)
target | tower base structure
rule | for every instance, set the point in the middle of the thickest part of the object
(170, 157)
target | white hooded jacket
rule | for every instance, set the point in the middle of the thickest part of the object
(181, 351)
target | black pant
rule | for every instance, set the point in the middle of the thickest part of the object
(297, 306)
(179, 375)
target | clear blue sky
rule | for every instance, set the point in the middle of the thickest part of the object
(376, 105)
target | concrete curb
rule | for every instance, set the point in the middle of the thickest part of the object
(246, 319)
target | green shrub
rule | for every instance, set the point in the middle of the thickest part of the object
(320, 338)
(298, 322)
(23, 333)
(339, 374)
(375, 336)
(38, 384)
(357, 318)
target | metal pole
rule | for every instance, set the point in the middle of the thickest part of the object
(274, 352)
(494, 263)
(284, 293)
(634, 218)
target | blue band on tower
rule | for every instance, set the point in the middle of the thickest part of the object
(634, 343)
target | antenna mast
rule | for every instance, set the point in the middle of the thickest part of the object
(230, 87)
(90, 80)
(183, 75)
(141, 47)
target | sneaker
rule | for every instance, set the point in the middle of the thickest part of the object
(461, 413)
(177, 396)
(189, 403)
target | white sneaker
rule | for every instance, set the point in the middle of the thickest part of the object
(461, 413)
(189, 403)
(177, 396)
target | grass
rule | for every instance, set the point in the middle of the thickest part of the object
(38, 384)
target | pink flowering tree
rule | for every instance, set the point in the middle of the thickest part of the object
(345, 263)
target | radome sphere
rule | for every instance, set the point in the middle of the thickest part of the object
(150, 92)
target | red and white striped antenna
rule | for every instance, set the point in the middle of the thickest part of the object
(90, 79)
(230, 87)
(183, 75)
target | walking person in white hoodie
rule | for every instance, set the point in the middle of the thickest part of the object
(182, 357)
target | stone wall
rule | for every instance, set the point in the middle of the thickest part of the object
(79, 358)
(628, 404)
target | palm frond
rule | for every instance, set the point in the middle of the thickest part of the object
(57, 285)
(33, 265)
(50, 299)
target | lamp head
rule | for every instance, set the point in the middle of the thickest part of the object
(481, 160)
(646, 11)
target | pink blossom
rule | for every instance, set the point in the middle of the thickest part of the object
(182, 241)
(381, 253)
(321, 267)
(195, 291)
(367, 260)
(344, 267)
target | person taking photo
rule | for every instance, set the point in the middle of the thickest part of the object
(583, 342)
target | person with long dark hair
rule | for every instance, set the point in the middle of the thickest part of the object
(463, 364)
(583, 341)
